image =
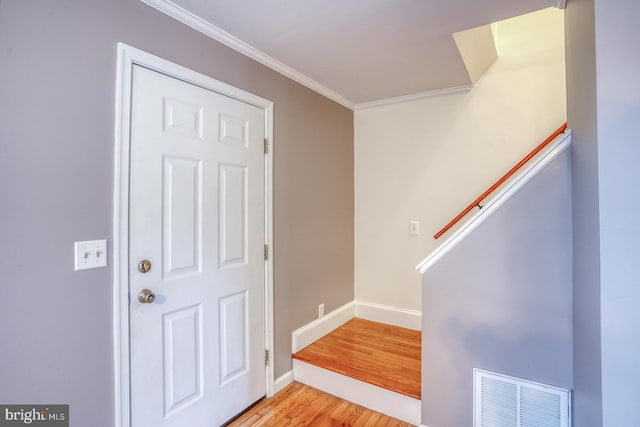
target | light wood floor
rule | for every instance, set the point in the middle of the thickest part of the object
(380, 354)
(300, 405)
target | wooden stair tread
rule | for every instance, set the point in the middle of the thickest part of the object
(383, 355)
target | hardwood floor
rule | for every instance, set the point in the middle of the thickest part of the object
(380, 354)
(301, 405)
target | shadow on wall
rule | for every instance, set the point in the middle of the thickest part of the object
(487, 347)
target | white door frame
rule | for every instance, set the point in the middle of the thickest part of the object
(127, 57)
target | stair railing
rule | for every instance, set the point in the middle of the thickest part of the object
(498, 183)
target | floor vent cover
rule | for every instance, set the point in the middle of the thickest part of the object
(502, 401)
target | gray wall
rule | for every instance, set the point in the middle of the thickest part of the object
(501, 300)
(618, 99)
(57, 81)
(603, 110)
(581, 116)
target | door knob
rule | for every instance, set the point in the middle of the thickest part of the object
(144, 266)
(145, 296)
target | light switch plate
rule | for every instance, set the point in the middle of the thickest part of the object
(414, 228)
(90, 254)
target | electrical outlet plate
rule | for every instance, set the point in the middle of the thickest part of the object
(90, 254)
(320, 310)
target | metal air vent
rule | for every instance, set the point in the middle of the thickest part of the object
(502, 401)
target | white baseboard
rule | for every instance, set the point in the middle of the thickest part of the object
(282, 381)
(401, 317)
(311, 332)
(390, 403)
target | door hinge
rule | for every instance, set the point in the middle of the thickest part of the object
(266, 358)
(266, 146)
(266, 252)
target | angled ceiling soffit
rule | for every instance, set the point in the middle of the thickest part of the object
(478, 50)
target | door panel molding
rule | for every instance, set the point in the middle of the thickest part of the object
(127, 57)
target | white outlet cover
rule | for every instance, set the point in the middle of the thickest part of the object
(90, 254)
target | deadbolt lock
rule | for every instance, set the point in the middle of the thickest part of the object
(144, 266)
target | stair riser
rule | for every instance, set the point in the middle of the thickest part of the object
(373, 397)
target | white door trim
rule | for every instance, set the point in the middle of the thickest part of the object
(127, 57)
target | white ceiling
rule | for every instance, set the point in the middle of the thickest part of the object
(359, 50)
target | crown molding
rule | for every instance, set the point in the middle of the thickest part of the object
(173, 10)
(414, 97)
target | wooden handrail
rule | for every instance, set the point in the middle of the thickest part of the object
(501, 181)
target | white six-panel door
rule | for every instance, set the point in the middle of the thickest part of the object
(197, 215)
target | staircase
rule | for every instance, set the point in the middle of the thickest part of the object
(369, 363)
